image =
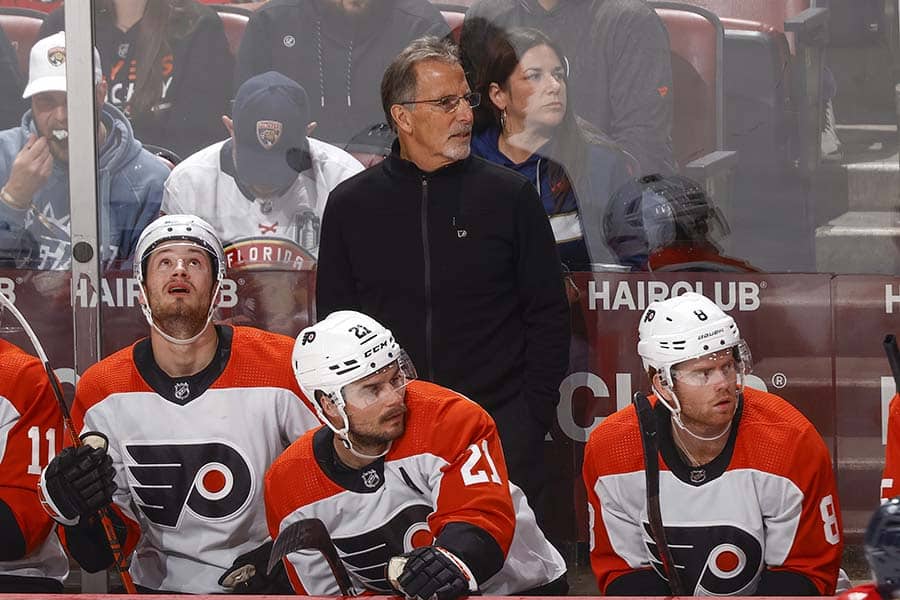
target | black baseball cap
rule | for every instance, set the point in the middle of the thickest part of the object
(270, 114)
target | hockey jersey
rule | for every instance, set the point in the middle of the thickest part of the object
(866, 591)
(444, 479)
(890, 479)
(190, 453)
(205, 184)
(31, 433)
(767, 502)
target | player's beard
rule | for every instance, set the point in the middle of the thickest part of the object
(180, 319)
(376, 436)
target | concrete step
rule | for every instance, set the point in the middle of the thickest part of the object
(872, 166)
(860, 242)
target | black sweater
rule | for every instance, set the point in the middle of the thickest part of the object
(338, 64)
(461, 265)
(197, 80)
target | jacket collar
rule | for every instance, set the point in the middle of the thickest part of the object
(400, 167)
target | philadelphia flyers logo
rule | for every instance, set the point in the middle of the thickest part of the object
(367, 554)
(717, 560)
(212, 480)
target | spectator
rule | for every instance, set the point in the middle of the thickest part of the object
(457, 255)
(530, 127)
(384, 476)
(269, 179)
(337, 50)
(668, 223)
(11, 104)
(31, 558)
(203, 408)
(744, 496)
(618, 52)
(168, 68)
(34, 197)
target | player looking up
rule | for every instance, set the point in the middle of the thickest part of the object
(194, 415)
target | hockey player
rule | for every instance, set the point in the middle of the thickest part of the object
(890, 479)
(194, 415)
(746, 493)
(31, 558)
(882, 546)
(404, 472)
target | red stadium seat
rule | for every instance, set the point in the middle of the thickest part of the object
(21, 26)
(696, 38)
(43, 6)
(455, 20)
(806, 31)
(234, 18)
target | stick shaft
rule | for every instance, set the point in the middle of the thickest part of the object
(893, 356)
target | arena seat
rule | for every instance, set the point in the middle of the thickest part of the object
(235, 19)
(44, 6)
(696, 38)
(454, 15)
(805, 26)
(21, 26)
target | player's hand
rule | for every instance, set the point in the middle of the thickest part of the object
(247, 575)
(78, 481)
(30, 171)
(430, 573)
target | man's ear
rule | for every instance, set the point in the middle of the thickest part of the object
(661, 387)
(229, 125)
(402, 118)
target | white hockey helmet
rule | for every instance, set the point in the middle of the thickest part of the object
(188, 230)
(686, 327)
(344, 347)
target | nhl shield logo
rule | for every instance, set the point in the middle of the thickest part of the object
(56, 56)
(371, 478)
(182, 390)
(268, 133)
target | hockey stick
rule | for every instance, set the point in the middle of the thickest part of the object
(893, 356)
(108, 529)
(650, 443)
(310, 534)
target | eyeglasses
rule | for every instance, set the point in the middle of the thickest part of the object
(450, 103)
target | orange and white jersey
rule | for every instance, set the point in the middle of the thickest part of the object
(190, 453)
(890, 479)
(31, 433)
(444, 481)
(768, 501)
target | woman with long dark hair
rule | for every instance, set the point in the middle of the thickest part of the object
(526, 123)
(168, 67)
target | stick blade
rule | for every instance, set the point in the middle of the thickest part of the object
(302, 535)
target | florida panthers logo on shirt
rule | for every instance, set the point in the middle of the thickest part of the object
(717, 560)
(268, 133)
(212, 480)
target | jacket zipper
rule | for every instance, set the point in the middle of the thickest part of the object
(427, 255)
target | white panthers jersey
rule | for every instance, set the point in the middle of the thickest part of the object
(190, 453)
(205, 184)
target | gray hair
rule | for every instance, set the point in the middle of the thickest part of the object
(399, 81)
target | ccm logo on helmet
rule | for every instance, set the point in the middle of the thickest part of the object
(717, 560)
(212, 480)
(375, 349)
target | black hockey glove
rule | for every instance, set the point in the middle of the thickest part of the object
(78, 482)
(247, 575)
(431, 573)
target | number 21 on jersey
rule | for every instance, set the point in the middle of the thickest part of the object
(470, 475)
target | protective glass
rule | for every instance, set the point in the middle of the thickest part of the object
(374, 388)
(738, 362)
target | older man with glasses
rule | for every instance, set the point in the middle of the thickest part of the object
(457, 257)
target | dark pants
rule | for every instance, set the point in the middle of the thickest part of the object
(522, 436)
(15, 584)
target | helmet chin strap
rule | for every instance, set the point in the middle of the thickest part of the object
(344, 432)
(148, 314)
(676, 416)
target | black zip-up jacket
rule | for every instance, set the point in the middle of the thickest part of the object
(461, 265)
(338, 61)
